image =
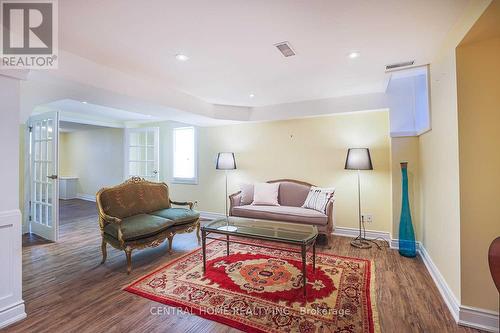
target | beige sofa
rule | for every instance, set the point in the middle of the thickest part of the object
(291, 197)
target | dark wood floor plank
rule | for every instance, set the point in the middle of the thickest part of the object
(67, 290)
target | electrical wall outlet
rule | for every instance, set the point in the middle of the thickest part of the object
(367, 218)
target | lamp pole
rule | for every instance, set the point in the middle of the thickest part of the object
(359, 159)
(359, 204)
(361, 241)
(225, 198)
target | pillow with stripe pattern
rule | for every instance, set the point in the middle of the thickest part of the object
(318, 198)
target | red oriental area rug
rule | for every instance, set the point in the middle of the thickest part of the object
(260, 290)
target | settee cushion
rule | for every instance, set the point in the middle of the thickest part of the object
(292, 194)
(281, 213)
(138, 226)
(177, 215)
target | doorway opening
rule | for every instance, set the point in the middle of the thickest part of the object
(69, 157)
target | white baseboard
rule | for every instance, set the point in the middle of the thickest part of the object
(86, 197)
(478, 318)
(370, 234)
(11, 303)
(466, 316)
(12, 314)
(448, 296)
(211, 215)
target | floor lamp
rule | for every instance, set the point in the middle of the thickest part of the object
(359, 159)
(225, 161)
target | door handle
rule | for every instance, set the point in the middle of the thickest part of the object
(52, 177)
(155, 172)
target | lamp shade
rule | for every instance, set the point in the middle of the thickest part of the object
(225, 161)
(358, 159)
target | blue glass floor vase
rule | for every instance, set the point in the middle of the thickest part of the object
(407, 245)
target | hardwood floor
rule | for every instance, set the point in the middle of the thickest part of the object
(67, 290)
(74, 210)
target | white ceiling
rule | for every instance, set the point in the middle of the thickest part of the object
(230, 43)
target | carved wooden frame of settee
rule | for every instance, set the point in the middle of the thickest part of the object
(152, 241)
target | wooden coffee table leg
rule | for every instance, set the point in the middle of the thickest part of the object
(204, 249)
(304, 278)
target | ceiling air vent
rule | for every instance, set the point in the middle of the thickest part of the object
(399, 64)
(285, 48)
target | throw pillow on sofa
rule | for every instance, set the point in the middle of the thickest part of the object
(266, 194)
(246, 194)
(318, 198)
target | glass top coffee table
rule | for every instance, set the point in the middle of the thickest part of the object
(280, 232)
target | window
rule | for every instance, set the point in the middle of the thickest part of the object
(184, 155)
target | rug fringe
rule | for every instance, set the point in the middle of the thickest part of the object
(373, 296)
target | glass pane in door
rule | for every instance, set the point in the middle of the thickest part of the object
(143, 151)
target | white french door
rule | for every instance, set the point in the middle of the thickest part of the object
(142, 153)
(44, 189)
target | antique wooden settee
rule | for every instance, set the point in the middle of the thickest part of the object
(138, 214)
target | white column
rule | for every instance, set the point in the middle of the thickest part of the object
(11, 303)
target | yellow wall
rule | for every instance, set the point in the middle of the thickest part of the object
(439, 175)
(94, 156)
(405, 149)
(438, 158)
(312, 150)
(478, 79)
(64, 155)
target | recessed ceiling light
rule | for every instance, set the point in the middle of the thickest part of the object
(251, 95)
(181, 57)
(353, 54)
(84, 102)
